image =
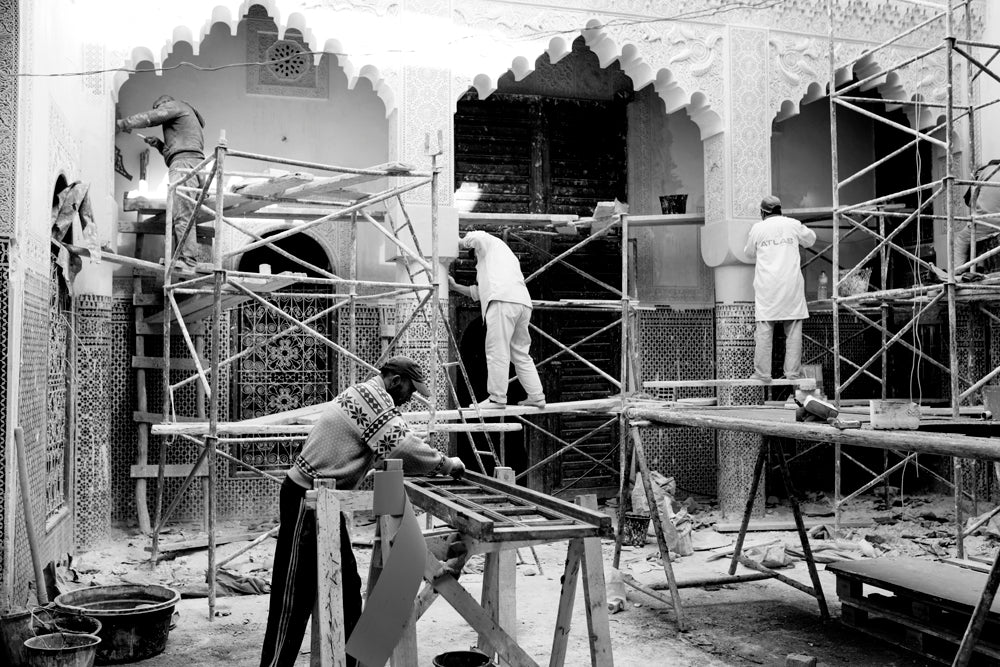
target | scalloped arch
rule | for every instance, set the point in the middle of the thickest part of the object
(628, 56)
(889, 84)
(221, 14)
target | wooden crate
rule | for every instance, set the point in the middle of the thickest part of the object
(922, 606)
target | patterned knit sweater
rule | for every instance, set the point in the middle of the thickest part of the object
(360, 428)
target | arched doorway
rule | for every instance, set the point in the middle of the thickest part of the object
(292, 371)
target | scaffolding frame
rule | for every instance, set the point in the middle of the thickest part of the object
(214, 437)
(871, 217)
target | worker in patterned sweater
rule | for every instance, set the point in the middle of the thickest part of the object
(361, 427)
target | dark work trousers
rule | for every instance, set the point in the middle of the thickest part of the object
(183, 206)
(294, 584)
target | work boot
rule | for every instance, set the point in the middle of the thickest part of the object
(533, 402)
(760, 378)
(489, 404)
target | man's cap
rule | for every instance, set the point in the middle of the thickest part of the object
(162, 99)
(408, 368)
(769, 203)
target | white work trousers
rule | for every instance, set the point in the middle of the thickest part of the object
(765, 343)
(508, 340)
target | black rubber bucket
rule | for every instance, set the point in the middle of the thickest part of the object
(62, 649)
(462, 659)
(135, 619)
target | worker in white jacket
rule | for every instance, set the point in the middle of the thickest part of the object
(779, 290)
(506, 307)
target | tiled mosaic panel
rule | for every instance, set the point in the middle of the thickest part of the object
(93, 473)
(33, 381)
(368, 322)
(293, 371)
(57, 437)
(679, 345)
(122, 393)
(4, 312)
(416, 344)
(972, 335)
(236, 498)
(734, 328)
(55, 536)
(858, 343)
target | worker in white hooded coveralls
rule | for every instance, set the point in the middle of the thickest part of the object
(506, 307)
(779, 289)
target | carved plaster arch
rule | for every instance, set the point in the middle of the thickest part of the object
(143, 55)
(327, 244)
(910, 85)
(664, 80)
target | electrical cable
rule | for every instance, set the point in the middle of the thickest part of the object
(682, 16)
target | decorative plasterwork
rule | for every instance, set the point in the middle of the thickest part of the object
(799, 74)
(330, 23)
(750, 135)
(681, 61)
(8, 113)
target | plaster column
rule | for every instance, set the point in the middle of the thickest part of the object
(737, 175)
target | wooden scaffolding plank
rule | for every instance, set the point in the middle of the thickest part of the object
(200, 306)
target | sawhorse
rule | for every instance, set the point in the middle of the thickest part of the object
(816, 590)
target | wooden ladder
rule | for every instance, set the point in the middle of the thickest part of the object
(149, 222)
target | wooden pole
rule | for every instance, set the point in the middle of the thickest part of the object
(661, 540)
(800, 526)
(757, 472)
(212, 440)
(328, 630)
(595, 595)
(978, 619)
(29, 518)
(499, 596)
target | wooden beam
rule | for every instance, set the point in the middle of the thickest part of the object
(458, 516)
(499, 594)
(201, 306)
(460, 600)
(567, 597)
(764, 525)
(328, 611)
(158, 362)
(592, 517)
(594, 595)
(157, 418)
(205, 230)
(802, 383)
(145, 471)
(783, 426)
(202, 542)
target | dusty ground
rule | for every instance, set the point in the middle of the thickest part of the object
(755, 623)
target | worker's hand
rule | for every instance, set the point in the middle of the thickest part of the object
(452, 285)
(120, 126)
(154, 142)
(457, 467)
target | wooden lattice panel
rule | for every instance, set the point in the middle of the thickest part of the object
(494, 511)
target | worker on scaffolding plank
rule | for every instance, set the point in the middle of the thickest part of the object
(183, 149)
(983, 202)
(506, 308)
(361, 427)
(779, 289)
